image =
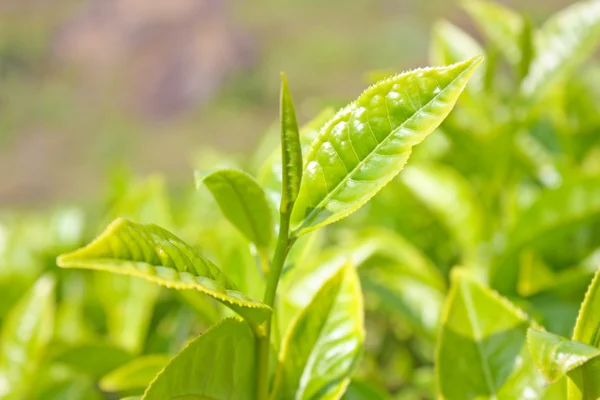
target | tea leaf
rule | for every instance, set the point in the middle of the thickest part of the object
(452, 199)
(482, 351)
(136, 374)
(501, 26)
(323, 344)
(95, 359)
(291, 150)
(243, 202)
(584, 383)
(555, 355)
(571, 204)
(564, 41)
(26, 331)
(367, 143)
(155, 254)
(217, 365)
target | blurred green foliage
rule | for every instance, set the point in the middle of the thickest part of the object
(508, 188)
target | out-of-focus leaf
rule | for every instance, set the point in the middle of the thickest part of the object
(501, 26)
(128, 304)
(360, 390)
(323, 344)
(367, 143)
(219, 365)
(243, 202)
(94, 360)
(69, 389)
(555, 355)
(291, 150)
(452, 199)
(136, 374)
(482, 351)
(564, 41)
(155, 254)
(571, 204)
(25, 334)
(450, 44)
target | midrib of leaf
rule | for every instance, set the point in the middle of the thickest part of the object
(466, 294)
(362, 162)
(245, 207)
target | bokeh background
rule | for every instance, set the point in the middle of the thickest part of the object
(87, 85)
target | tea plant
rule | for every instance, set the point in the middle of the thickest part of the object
(506, 188)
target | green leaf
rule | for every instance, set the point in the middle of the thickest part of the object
(359, 390)
(155, 254)
(323, 344)
(501, 26)
(243, 202)
(452, 198)
(583, 383)
(450, 44)
(291, 150)
(217, 365)
(26, 332)
(367, 143)
(555, 355)
(136, 374)
(565, 40)
(95, 359)
(575, 203)
(482, 351)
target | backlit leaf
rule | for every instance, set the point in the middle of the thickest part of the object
(291, 150)
(555, 355)
(243, 202)
(136, 374)
(155, 254)
(367, 143)
(217, 365)
(25, 334)
(564, 41)
(323, 344)
(584, 382)
(482, 351)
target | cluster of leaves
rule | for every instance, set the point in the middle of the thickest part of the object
(507, 188)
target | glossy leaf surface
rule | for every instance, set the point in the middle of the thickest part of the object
(563, 42)
(136, 374)
(482, 351)
(291, 173)
(242, 201)
(367, 143)
(155, 254)
(555, 355)
(26, 332)
(217, 365)
(323, 344)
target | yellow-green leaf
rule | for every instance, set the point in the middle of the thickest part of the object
(136, 374)
(482, 351)
(323, 344)
(555, 355)
(564, 41)
(153, 253)
(291, 174)
(367, 143)
(243, 202)
(26, 332)
(217, 365)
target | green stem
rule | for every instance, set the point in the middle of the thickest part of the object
(262, 343)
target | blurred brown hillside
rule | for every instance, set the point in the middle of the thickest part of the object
(86, 84)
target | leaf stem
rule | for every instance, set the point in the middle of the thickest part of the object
(284, 242)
